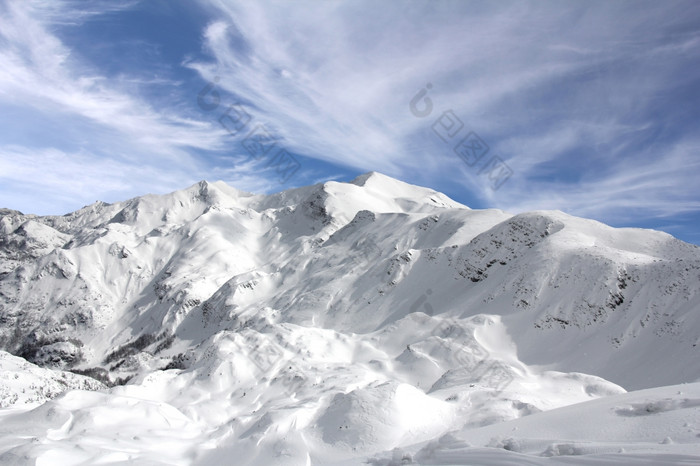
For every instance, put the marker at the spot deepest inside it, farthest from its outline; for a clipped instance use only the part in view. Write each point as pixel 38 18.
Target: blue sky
pixel 590 107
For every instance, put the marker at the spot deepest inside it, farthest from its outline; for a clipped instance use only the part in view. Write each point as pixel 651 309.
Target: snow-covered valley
pixel 343 323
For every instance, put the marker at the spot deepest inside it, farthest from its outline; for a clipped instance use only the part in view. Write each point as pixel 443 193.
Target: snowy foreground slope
pixel 343 323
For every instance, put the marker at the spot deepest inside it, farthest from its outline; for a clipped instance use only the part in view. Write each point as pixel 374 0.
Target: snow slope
pixel 23 384
pixel 653 426
pixel 331 323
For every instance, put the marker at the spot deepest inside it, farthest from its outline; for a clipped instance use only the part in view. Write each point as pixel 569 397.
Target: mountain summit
pixel 327 323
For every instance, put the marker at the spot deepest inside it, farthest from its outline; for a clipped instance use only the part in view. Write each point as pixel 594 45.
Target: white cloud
pixel 51 181
pixel 39 72
pixel 544 84
pixel 541 82
pixel 121 136
pixel 651 184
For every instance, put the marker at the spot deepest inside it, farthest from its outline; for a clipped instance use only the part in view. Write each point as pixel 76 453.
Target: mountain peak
pixel 214 191
pixel 410 197
pixel 361 180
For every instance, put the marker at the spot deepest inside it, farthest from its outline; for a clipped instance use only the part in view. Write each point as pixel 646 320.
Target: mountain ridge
pixel 316 304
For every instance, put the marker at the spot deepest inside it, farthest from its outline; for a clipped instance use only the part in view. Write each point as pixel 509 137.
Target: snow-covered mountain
pixel 331 323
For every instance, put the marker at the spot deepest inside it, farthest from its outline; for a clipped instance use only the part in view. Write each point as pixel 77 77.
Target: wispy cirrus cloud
pixel 54 103
pixel 569 94
pixel 40 72
pixel 592 104
pixel 62 177
pixel 627 189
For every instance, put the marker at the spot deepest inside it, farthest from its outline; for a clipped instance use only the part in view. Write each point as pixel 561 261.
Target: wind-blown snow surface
pixel 342 323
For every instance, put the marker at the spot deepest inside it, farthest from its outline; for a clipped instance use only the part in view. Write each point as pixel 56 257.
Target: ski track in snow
pixel 343 323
